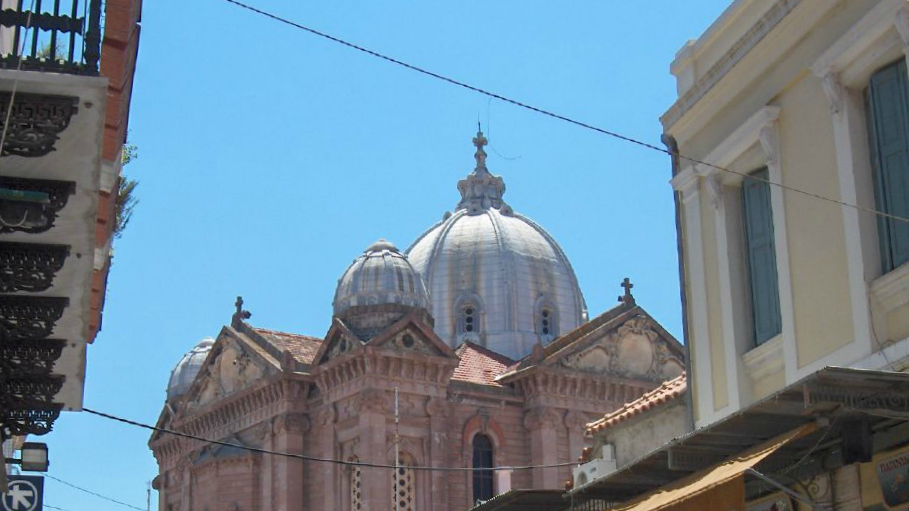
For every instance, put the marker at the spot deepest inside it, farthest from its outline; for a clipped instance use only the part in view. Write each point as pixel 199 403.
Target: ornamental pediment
pixel 230 368
pixel 636 349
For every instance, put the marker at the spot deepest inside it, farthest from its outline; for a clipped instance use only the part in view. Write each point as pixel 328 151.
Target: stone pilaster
pixel 439 411
pixel 372 410
pixel 288 473
pixel 542 424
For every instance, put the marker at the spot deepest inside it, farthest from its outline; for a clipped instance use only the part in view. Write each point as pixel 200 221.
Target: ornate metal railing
pixel 61 36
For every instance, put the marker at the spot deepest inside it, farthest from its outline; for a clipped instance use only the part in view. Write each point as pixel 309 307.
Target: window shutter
pixel 761 252
pixel 889 133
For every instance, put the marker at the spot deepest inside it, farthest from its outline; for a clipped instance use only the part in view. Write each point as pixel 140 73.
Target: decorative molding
pixel 740 140
pixel 30 267
pixel 31 205
pixel 327 415
pixel 715 189
pixel 35 356
pixel 770 143
pixel 36 121
pixel 541 417
pixel 29 317
pixel 575 420
pixel 371 400
pixel 37 419
pixel 901 22
pixel 765 359
pixel 891 290
pixel 736 53
pixel 833 88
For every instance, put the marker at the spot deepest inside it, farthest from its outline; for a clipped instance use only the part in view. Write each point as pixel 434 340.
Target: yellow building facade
pixel 785 126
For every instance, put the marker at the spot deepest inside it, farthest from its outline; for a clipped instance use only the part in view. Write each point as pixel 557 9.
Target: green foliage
pixel 126 200
pixel 45 52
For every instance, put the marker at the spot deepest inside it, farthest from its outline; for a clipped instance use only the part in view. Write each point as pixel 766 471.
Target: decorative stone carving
pixel 481 190
pixel 36 356
pixel 29 317
pixel 542 417
pixel 371 400
pixel 438 407
pixel 35 122
pixel 294 423
pixel 834 91
pixel 715 189
pixel 901 22
pixel 632 350
pixel 236 370
pixel 407 341
pixel 575 420
pixel 327 415
pixel 29 267
pixel 770 144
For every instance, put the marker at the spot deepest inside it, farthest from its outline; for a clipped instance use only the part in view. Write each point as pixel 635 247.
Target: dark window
pixel 760 248
pixel 888 130
pixel 482 458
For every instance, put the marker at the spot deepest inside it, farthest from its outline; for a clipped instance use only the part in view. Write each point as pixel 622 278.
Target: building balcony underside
pixel 51 245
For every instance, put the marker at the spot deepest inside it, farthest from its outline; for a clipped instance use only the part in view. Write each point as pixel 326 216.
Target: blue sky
pixel 269 159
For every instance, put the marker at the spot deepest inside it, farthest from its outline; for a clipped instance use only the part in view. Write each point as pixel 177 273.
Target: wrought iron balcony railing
pixel 61 36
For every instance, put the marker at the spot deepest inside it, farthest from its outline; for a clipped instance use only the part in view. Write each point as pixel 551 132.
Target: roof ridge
pixel 272 331
pixel 504 359
pixel 666 391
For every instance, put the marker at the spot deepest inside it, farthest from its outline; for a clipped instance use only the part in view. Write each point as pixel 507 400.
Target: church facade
pixel 472 349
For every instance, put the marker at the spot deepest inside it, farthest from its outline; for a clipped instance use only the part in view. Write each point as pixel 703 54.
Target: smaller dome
pixel 183 374
pixel 382 275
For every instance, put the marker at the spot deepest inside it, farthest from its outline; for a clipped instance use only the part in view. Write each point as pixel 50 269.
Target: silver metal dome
pixel 496 278
pixel 382 275
pixel 183 374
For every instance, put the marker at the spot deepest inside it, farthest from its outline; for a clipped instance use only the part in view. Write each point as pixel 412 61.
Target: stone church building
pixel 481 329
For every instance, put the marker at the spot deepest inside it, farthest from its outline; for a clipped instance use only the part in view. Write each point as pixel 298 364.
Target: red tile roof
pixel 302 347
pixel 666 392
pixel 479 365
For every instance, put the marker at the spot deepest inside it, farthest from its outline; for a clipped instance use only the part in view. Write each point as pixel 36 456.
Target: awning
pixel 726 478
pixel 525 500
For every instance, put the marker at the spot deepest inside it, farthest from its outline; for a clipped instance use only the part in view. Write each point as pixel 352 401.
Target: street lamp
pixel 34 457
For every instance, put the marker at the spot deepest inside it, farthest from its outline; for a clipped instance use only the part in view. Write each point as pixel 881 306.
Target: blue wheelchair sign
pixel 25 493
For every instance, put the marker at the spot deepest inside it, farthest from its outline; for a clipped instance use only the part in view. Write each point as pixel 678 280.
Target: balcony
pixel 60 36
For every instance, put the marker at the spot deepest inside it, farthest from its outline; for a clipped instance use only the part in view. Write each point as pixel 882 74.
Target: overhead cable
pixel 316 458
pixel 554 115
pixel 105 497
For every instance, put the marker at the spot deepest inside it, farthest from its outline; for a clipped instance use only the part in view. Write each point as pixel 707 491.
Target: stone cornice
pixel 232 415
pixel 369 361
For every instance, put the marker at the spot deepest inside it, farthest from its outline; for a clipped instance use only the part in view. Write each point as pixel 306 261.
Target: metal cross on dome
pixel 239 314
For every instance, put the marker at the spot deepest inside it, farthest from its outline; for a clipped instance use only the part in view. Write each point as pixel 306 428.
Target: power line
pixel 71 485
pixel 554 115
pixel 316 458
pixel 54 507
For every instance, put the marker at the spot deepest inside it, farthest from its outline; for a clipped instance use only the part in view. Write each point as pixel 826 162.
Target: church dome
pixel 496 277
pixel 183 374
pixel 382 275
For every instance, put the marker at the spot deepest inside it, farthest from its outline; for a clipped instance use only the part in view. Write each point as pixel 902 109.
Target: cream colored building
pixel 811 94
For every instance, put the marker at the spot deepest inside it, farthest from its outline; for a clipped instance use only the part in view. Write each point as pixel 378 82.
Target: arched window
pixel 468 321
pixel 482 458
pixel 403 489
pixel 356 484
pixel 547 321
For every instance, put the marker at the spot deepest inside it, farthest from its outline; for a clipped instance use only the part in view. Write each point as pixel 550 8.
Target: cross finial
pixel 239 314
pixel 627 297
pixel 479 141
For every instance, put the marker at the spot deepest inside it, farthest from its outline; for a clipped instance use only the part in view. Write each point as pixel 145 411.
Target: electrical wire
pixel 71 485
pixel 560 117
pixel 54 507
pixel 316 458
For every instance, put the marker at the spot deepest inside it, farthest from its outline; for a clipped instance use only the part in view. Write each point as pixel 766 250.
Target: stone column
pixel 439 411
pixel 541 423
pixel 372 409
pixel 287 474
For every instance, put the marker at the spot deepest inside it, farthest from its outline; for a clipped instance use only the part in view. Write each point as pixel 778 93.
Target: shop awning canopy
pixel 829 397
pixel 725 477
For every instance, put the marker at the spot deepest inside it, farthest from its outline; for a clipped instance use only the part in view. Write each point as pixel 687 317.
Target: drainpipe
pixel 673 147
